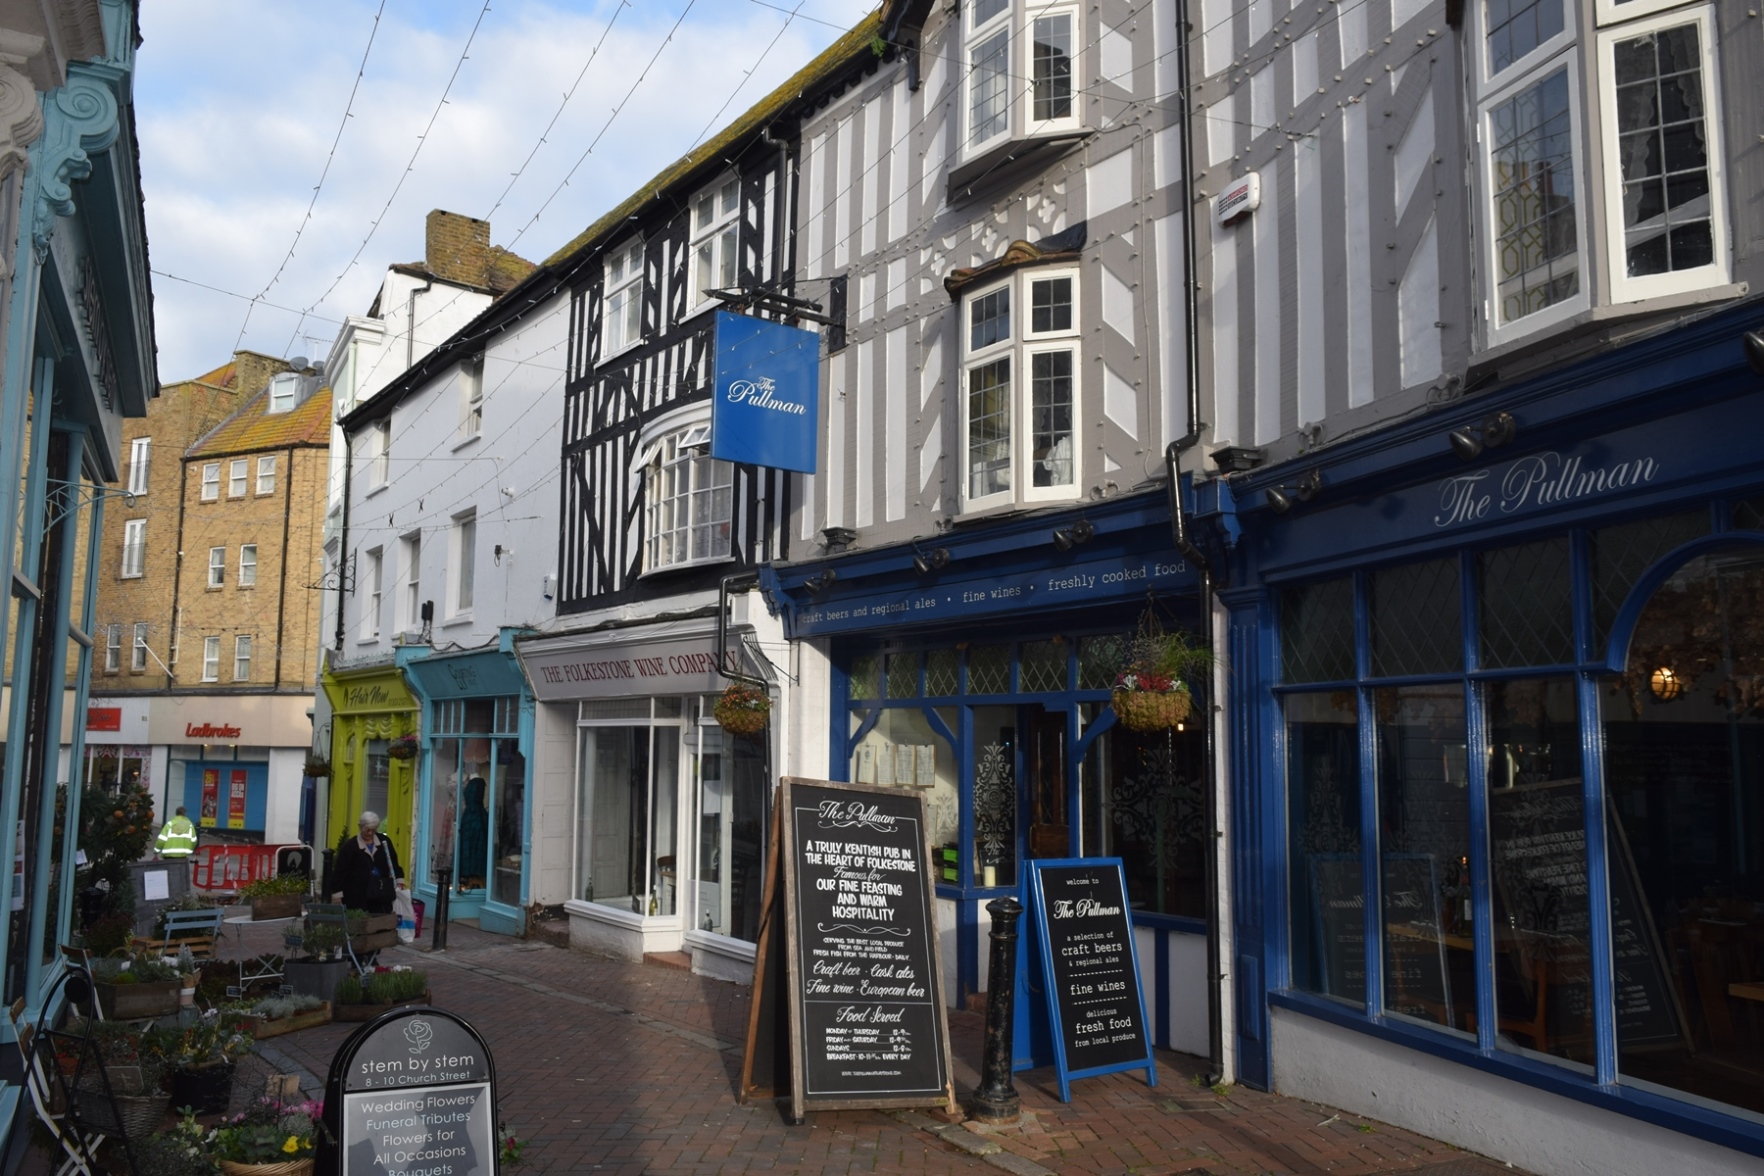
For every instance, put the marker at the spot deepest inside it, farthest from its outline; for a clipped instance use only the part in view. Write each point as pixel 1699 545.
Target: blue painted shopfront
pixel 982 676
pixel 474 814
pixel 226 796
pixel 1497 737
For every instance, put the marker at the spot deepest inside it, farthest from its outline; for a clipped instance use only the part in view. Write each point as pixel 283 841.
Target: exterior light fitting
pixel 1665 684
pixel 1753 342
pixel 819 584
pixel 935 560
pixel 1066 538
pixel 1281 498
pixel 1468 441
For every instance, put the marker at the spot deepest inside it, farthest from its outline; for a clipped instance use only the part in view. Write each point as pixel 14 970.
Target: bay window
pixel 1020 390
pixel 689 501
pixel 1022 78
pixel 621 313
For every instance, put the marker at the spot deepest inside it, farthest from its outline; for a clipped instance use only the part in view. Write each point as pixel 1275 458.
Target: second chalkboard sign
pixel 1090 970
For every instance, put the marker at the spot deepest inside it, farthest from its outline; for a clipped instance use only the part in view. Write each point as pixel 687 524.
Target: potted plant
pixel 371 932
pixel 200 1058
pixel 269 1139
pixel 189 975
pixel 276 1015
pixel 1151 691
pixel 316 766
pixel 743 709
pixel 364 998
pixel 133 987
pixel 403 748
pixel 320 966
pixel 122 1066
pixel 275 898
pixel 179 1150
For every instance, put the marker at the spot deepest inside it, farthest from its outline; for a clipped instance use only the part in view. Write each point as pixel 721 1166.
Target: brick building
pixel 207 618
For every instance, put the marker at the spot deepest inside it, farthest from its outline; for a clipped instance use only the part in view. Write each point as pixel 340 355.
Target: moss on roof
pixel 253 427
pixel 756 116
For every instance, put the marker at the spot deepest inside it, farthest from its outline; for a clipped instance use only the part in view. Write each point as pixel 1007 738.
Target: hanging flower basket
pixel 743 710
pixel 1150 692
pixel 1146 710
pixel 403 748
pixel 316 766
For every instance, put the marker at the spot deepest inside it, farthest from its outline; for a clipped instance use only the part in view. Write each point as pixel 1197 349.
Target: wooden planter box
pixel 367 1012
pixel 276 906
pixel 130 1002
pixel 308 1019
pixel 377 932
pixel 316 977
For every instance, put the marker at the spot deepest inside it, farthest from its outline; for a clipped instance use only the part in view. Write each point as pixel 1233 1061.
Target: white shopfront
pixel 670 811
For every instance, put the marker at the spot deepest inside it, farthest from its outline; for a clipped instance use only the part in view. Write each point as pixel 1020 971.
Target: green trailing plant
pixel 268 1133
pixel 271 887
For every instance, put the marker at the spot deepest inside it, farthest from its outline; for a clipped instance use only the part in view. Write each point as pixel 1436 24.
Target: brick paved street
pixel 614 1067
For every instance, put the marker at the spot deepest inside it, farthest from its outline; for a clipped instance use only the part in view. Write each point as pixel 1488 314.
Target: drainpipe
pixel 726 663
pixel 410 328
pixel 1190 310
pixel 343 538
pixel 287 483
pixel 175 644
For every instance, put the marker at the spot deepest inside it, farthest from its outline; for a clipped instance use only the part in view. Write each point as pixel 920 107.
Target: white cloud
pixel 237 106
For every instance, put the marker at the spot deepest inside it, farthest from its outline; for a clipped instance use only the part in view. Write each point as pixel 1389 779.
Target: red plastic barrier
pixel 226 868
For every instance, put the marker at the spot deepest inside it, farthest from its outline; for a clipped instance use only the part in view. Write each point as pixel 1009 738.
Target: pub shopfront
pixel 1499 692
pixel 670 813
pixel 371 707
pixel 981 674
pixel 473 791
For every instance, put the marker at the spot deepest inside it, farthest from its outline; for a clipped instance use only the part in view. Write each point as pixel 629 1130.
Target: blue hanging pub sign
pixel 766 407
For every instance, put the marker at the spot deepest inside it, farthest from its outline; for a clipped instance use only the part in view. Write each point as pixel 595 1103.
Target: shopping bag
pixel 406 912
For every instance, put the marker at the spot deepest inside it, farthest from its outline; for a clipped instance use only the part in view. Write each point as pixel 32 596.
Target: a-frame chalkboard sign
pixel 1089 970
pixel 849 936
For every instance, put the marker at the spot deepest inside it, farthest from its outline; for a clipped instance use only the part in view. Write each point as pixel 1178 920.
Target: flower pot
pixel 316 977
pixel 367 1012
pixel 137 1115
pixel 276 906
pixel 308 1019
pixel 208 1088
pixel 187 997
pixel 285 1168
pixel 133 1002
pixel 1148 711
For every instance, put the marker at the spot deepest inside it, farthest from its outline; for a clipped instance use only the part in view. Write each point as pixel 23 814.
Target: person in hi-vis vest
pixel 177 838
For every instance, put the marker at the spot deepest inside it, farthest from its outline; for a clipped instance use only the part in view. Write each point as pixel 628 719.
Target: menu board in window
pixel 867 1020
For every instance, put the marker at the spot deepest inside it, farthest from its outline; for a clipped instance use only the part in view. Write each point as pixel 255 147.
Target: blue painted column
pixel 70 836
pixel 1249 831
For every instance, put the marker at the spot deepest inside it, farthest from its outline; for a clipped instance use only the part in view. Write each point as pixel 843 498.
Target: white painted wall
pixel 1520 1125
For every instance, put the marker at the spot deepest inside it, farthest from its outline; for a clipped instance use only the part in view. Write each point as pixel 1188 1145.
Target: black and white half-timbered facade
pixel 658 544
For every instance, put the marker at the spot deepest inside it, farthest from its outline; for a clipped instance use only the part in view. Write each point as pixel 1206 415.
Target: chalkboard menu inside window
pixel 1090 970
pixel 867 1018
pixel 1339 927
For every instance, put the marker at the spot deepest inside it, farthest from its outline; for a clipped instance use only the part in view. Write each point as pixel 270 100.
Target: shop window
pixel 902 675
pixel 995 796
pixel 1749 515
pixel 509 799
pixel 866 675
pixel 1622 553
pixel 689 502
pixel 1424 817
pixel 904 749
pixel 732 790
pixel 629 781
pixel 1042 668
pixel 943 672
pixel 376 789
pixel 1317 632
pixel 1325 871
pixel 1100 659
pixel 1684 757
pixel 1538 865
pixel 1416 619
pixel 1144 801
pixel 1526 605
pixel 989 669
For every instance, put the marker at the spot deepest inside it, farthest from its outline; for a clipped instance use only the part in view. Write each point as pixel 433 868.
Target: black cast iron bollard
pixel 443 889
pixel 996 1101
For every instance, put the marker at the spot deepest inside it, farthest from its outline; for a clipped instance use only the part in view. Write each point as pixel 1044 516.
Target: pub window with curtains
pixel 1017 752
pixel 1467 835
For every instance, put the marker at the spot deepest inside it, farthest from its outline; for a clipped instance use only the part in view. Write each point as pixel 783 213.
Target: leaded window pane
pixel 989 319
pixel 943 672
pixel 1536 240
pixel 990 98
pixel 1099 660
pixel 989 428
pixel 1050 415
pixel 1663 150
pixel 989 669
pixel 1749 515
pixel 1416 624
pixel 1050 305
pixel 1516 27
pixel 1527 606
pixel 1052 67
pixel 1317 631
pixel 1327 874
pixel 1621 554
pixel 903 675
pixel 1043 667
pixel 866 669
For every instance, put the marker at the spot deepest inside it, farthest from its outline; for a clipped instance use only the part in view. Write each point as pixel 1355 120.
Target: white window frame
pixel 217 567
pixel 373 567
pixel 138 649
pixel 1607 12
pixel 284 389
pixel 211 481
pixel 629 262
pixel 719 237
pixel 973 41
pixel 112 648
pixel 211 659
pixel 471 398
pixel 410 556
pixel 1623 287
pixel 1026 81
pixel 1498 333
pixel 683 451
pixel 134 549
pixel 266 474
pixel 140 462
pixel 462 543
pixel 247 565
pixel 380 454
pixel 242 658
pixel 238 477
pixel 1487 80
pixel 1021 344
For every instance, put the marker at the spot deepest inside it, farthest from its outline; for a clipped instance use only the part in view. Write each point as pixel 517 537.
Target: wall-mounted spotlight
pixel 1281 498
pixel 1753 342
pixel 1495 431
pixel 1066 538
pixel 819 584
pixel 935 560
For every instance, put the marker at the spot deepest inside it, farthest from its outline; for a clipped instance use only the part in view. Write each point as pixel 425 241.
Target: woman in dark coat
pixel 367 869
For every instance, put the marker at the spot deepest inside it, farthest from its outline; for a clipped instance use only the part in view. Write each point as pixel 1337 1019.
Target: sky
pixel 271 216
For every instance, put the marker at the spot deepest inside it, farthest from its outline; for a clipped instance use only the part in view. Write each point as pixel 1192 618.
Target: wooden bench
pixel 196 930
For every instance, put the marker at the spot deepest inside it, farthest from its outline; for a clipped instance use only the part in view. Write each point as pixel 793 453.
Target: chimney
pixel 457 248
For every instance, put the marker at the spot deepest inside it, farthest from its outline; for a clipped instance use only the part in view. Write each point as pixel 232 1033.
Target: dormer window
pixel 1006 42
pixel 1020 390
pixel 622 306
pixel 284 392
